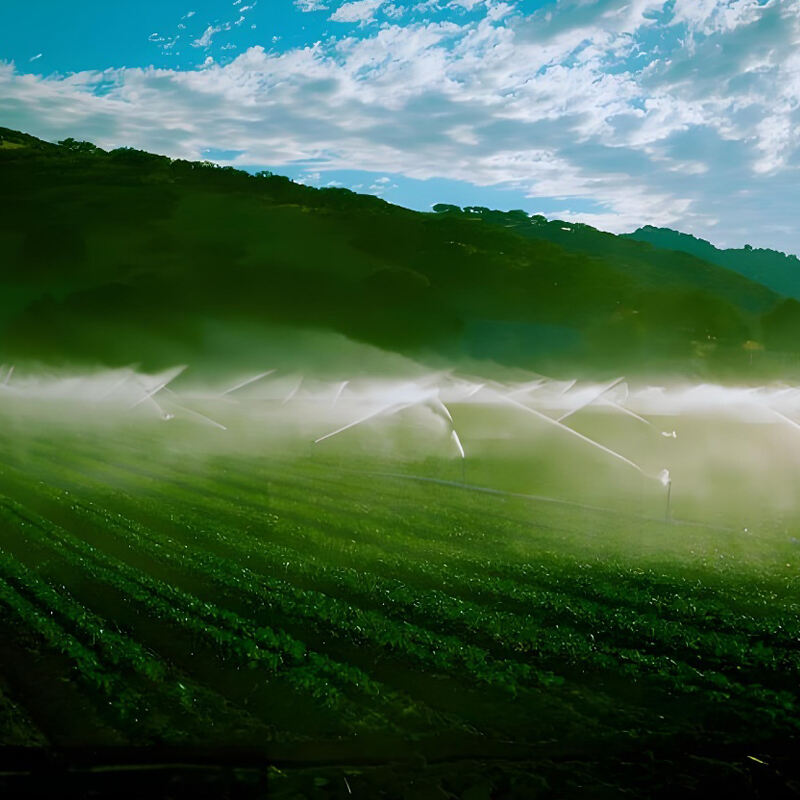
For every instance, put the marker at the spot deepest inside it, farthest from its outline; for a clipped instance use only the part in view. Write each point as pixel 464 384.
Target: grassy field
pixel 303 627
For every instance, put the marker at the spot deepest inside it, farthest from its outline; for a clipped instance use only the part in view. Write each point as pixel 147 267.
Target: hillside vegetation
pixel 779 271
pixel 127 256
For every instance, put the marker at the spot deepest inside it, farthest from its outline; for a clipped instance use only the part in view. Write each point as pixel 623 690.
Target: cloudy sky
pixel 618 113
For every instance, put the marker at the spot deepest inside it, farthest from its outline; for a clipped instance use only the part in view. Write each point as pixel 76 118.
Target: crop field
pixel 372 630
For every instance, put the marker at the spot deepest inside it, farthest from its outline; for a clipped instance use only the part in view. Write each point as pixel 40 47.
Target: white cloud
pixel 555 105
pixel 356 11
pixel 310 5
pixel 207 37
pixel 467 5
pixel 710 16
pixel 393 11
pixel 382 185
pixel 35 58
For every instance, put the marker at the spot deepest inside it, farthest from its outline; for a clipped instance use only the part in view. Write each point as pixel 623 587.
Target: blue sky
pixel 613 112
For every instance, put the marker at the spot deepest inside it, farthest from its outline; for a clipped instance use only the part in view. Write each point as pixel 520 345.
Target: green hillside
pixel 779 271
pixel 126 257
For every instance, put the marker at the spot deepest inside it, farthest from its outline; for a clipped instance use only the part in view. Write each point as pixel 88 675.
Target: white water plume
pixel 727 447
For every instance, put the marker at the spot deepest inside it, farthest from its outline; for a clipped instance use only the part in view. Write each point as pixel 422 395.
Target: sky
pixel 617 113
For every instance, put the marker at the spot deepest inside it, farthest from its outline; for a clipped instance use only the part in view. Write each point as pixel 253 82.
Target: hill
pixel 126 256
pixel 779 271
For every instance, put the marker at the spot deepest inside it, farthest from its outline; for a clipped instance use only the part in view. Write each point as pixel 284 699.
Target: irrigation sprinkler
pixel 165 415
pixel 596 397
pixel 666 480
pixel 663 477
pixel 295 389
pixel 192 412
pixel 200 416
pixel 569 385
pixel 783 417
pixel 566 429
pixel 445 411
pixel 392 408
pixel 150 394
pixel 339 391
pixel 116 385
pixel 529 387
pixel 623 409
pixel 462 454
pixel 247 382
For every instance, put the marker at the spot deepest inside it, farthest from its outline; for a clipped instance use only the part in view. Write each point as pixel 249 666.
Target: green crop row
pixel 559 644
pixel 438 652
pixel 105 659
pixel 622 588
pixel 451 614
pixel 328 681
pixel 645 630
pixel 635 589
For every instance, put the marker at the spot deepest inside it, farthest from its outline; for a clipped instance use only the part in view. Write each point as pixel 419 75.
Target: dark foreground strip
pixel 339 769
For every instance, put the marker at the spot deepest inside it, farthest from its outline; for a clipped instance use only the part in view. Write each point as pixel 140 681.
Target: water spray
pixel 247 382
pixel 339 391
pixel 150 394
pixel 460 447
pixel 666 480
pixel 594 398
pixel 445 411
pixel 118 384
pixel 392 408
pixel 295 389
pixel 573 432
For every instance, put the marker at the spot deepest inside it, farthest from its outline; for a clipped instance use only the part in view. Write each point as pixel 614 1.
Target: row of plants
pixel 333 684
pixel 552 644
pixel 136 685
pixel 638 631
pixel 628 629
pixel 409 642
pixel 670 595
pixel 447 612
pixel 739 643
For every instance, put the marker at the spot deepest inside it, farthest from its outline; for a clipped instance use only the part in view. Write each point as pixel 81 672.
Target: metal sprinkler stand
pixel 668 512
pixel 666 481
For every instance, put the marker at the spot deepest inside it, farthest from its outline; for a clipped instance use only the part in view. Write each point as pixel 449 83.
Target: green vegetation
pixel 282 603
pixel 128 257
pixel 779 271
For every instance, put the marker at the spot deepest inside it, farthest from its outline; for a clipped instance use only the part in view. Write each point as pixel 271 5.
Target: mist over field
pixel 730 454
